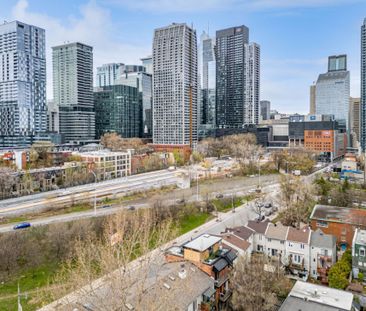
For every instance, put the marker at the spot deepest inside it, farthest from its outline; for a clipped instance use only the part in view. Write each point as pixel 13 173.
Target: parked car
pixel 106 206
pixel 268 213
pixel 179 201
pixel 131 208
pixel 260 218
pixel 219 196
pixel 268 205
pixel 22 225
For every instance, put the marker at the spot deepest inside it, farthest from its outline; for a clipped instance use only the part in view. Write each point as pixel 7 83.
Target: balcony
pixel 225 296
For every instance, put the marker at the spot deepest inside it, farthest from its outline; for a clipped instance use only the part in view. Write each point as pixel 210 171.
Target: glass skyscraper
pixel 108 73
pixel 117 109
pixel 143 82
pixel 23 107
pixel 237 78
pixel 73 90
pixel 332 91
pixel 363 86
pixel 207 77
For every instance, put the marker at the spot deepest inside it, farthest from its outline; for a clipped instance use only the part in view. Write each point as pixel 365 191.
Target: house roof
pixel 339 214
pixel 235 241
pixel 295 303
pixel 276 231
pixel 320 239
pixel 312 297
pixel 299 235
pixel 241 231
pixel 202 242
pixel 258 226
pixel 158 288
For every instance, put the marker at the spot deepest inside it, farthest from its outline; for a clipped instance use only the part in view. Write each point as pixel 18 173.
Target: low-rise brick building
pixel 338 221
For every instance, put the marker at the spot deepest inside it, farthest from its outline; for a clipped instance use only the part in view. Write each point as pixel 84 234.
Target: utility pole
pixel 95 193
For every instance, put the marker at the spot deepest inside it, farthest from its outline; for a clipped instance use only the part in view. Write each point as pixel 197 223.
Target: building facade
pixel 108 165
pixel 338 221
pixel 108 73
pixel 265 110
pixel 359 253
pixel 53 117
pixel 143 82
pixel 230 76
pixel 175 86
pixel 332 90
pixel 23 108
pixel 147 62
pixel 355 120
pixel 73 90
pixel 207 77
pixel 312 109
pixel 363 86
pixel 252 83
pixel 117 109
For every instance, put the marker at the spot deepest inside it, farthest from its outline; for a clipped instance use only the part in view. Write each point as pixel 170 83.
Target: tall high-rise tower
pixel 332 91
pixel 73 90
pixel 23 107
pixel 175 85
pixel 207 76
pixel 230 76
pixel 251 83
pixel 363 86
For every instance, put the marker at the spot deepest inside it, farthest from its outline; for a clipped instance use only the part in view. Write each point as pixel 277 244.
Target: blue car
pixel 22 225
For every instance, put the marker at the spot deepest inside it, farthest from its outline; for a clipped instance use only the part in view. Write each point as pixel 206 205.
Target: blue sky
pixel 296 36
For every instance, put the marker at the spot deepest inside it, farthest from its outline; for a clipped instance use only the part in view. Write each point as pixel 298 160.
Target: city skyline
pixel 292 56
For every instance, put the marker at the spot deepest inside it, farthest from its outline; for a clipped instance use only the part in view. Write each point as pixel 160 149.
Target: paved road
pixel 242 215
pixel 167 198
pixel 32 203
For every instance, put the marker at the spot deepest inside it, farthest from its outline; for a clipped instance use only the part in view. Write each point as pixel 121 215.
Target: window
pixel 362 252
pixel 302 246
pixel 321 223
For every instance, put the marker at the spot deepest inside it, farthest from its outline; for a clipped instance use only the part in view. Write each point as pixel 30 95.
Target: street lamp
pixel 95 193
pixel 197 183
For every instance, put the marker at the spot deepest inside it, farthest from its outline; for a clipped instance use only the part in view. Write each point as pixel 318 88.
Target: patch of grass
pixel 226 204
pixel 192 221
pixel 29 282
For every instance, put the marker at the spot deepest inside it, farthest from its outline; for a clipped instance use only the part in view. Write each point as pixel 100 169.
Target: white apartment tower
pixel 175 85
pixel 251 83
pixel 73 90
pixel 23 108
pixel 108 73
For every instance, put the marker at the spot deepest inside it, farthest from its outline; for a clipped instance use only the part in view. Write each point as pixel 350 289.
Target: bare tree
pixel 8 179
pixel 257 284
pixel 112 258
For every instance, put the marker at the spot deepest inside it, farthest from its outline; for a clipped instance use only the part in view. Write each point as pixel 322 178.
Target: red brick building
pixel 338 221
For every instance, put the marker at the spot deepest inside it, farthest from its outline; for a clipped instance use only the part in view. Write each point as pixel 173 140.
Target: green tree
pixel 339 272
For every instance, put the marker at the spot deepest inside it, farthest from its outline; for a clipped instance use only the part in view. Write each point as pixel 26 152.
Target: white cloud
pixel 163 6
pixel 94 27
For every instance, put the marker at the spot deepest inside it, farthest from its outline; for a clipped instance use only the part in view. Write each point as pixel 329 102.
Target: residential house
pixel 312 297
pixel 240 246
pixel 338 221
pixel 259 230
pixel 359 253
pixel 275 236
pixel 298 251
pixel 208 254
pixel 323 254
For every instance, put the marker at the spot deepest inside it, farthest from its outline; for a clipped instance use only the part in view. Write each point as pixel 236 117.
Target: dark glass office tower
pixel 230 76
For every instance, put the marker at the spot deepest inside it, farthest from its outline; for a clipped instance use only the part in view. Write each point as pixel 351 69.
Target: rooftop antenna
pixel 208 28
